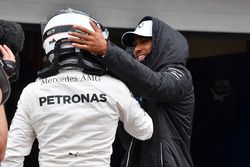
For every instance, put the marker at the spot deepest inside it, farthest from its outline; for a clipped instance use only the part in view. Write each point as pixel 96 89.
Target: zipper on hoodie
pixel 161 156
pixel 129 150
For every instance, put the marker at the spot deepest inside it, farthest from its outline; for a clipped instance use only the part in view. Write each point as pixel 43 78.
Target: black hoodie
pixel 166 87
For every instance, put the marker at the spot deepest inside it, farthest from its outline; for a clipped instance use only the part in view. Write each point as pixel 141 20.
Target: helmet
pixel 56 29
pixel 59 51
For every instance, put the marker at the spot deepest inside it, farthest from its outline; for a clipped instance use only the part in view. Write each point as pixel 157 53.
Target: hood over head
pixel 169 45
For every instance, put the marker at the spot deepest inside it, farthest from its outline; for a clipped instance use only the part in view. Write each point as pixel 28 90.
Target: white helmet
pixel 57 27
pixel 60 52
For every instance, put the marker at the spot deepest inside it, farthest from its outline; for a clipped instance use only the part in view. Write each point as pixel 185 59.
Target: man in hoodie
pixel 157 74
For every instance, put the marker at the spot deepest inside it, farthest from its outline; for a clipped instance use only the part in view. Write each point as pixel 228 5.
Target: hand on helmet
pixel 92 41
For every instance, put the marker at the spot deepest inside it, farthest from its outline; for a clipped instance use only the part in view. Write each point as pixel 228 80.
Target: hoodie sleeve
pixel 169 84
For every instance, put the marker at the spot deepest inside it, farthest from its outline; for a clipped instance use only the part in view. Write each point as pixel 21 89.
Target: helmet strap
pixel 85 61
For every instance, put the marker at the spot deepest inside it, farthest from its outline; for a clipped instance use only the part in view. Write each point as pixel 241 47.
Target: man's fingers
pixel 9 56
pixel 80 38
pixel 88 40
pixel 7 53
pixel 75 40
pixel 80 46
pixel 82 29
pixel 76 34
pixel 94 26
pixel 3 51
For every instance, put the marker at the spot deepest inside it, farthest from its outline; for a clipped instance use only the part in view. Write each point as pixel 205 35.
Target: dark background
pixel 222 112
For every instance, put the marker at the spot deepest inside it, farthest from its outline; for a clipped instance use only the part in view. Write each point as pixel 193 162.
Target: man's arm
pixel 168 84
pixel 21 134
pixel 135 120
pixel 3 131
pixel 7 68
pixel 4 95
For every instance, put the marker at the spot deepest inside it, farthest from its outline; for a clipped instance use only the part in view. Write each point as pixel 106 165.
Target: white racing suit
pixel 74 117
